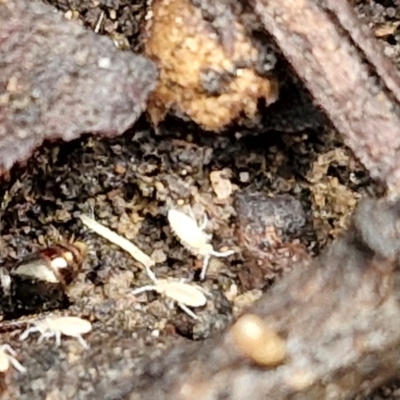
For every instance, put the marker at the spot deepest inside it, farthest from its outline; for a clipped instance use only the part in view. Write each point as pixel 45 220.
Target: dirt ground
pixel 129 183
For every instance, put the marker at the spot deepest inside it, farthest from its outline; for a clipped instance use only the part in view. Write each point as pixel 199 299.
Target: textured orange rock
pixel 211 81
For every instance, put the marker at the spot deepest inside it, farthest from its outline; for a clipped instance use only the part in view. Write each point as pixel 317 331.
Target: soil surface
pixel 129 183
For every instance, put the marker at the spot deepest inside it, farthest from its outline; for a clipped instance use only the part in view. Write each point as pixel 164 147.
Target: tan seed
pixel 256 341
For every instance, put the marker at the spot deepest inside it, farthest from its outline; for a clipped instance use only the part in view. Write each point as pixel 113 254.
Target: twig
pixel 346 73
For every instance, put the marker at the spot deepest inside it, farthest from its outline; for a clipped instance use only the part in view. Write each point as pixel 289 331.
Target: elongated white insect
pixel 120 241
pixel 181 292
pixel 194 238
pixel 184 294
pixel 7 358
pixel 57 326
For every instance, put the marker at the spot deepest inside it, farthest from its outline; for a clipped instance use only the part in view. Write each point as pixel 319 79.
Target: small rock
pixel 59 80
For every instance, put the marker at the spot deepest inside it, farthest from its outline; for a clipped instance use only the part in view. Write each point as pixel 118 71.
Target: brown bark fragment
pixel 347 75
pixel 59 81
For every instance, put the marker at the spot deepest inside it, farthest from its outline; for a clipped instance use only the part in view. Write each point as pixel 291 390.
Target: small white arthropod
pixel 7 358
pixel 194 238
pixel 118 240
pixel 184 294
pixel 57 326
